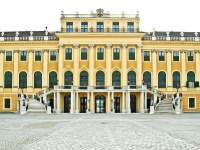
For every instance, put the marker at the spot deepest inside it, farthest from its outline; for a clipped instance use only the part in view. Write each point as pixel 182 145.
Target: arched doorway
pixel 133 103
pixel 83 104
pixel 100 104
pixel 100 80
pixel 67 103
pixel 116 80
pixel 83 80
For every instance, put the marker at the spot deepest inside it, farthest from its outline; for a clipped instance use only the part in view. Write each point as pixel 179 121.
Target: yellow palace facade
pixel 99 63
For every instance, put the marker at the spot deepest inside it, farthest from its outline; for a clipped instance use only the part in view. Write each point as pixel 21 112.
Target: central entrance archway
pixel 67 103
pixel 133 103
pixel 100 104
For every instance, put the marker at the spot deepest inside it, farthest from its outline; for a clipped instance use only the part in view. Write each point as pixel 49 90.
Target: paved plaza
pixel 100 132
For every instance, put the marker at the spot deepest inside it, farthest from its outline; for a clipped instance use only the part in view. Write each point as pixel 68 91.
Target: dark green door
pixel 100 104
pixel 133 103
pixel 83 104
pixel 117 104
pixel 67 103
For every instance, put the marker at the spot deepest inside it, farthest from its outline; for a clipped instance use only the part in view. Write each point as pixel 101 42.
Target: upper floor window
pixel 161 55
pixel 37 55
pixel 130 26
pixel 23 55
pixel 100 53
pixel 68 54
pixel 146 56
pixel 53 55
pixel 84 27
pixel 9 56
pixel 115 26
pixel 131 54
pixel 190 56
pixel 175 56
pixel 83 53
pixel 69 27
pixel 116 54
pixel 100 27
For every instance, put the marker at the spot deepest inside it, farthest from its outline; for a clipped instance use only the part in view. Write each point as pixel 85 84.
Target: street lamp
pixel 177 87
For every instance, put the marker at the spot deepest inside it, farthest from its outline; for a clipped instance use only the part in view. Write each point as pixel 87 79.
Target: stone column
pixel 139 65
pixel 141 102
pixel 77 110
pixel 54 102
pixel 60 64
pixel 30 71
pixel 113 100
pixel 88 97
pixel 108 102
pixel 91 65
pixel 123 101
pixel 58 103
pixel 1 70
pixel 124 65
pixel 169 70
pixel 45 69
pixel 128 103
pixel 92 103
pixel 76 65
pixel 145 102
pixel 197 76
pixel 16 71
pixel 72 103
pixel 108 64
pixel 154 68
pixel 183 69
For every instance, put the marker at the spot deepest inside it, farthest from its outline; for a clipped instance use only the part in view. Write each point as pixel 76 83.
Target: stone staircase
pixel 35 107
pixel 165 107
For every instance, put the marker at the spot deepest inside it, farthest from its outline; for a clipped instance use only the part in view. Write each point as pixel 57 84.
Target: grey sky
pixel 163 15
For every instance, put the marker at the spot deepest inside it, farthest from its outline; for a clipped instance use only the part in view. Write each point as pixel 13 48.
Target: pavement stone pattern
pixel 100 131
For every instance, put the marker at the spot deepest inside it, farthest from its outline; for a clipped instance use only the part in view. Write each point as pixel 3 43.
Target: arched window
pixel 52 79
pixel 147 79
pixel 83 78
pixel 8 80
pixel 176 79
pixel 68 78
pixel 116 78
pixel 100 78
pixel 191 76
pixel 161 79
pixel 131 78
pixel 37 79
pixel 23 80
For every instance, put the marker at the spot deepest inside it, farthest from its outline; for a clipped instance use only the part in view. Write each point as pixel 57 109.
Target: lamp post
pixel 177 87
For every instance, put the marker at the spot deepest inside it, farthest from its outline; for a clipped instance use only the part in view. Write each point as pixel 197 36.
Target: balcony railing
pixel 95 16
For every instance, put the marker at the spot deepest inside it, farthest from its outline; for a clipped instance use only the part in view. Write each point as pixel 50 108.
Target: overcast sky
pixel 163 15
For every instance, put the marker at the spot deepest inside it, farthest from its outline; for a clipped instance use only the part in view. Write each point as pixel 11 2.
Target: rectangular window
pixel 175 56
pixel 191 103
pixel 84 27
pixel 9 56
pixel 161 55
pixel 146 56
pixel 190 56
pixel 130 26
pixel 52 55
pixel 69 27
pixel 6 103
pixel 68 54
pixel 37 55
pixel 115 26
pixel 83 53
pixel 131 54
pixel 116 54
pixel 100 53
pixel 23 55
pixel 100 27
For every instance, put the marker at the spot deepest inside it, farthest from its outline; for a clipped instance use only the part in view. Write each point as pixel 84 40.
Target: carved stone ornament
pixel 91 46
pixel 108 46
pixel 183 51
pixel 196 34
pixel 60 45
pixel 168 51
pixel 16 51
pixel 108 29
pixel 182 34
pixel 123 29
pixel 2 33
pixel 76 46
pixel 124 46
pixel 31 33
pixel 76 29
pixel 197 51
pixel 139 45
pixel 100 12
pixel 167 33
pixel 154 50
pixel 30 51
pixel 2 51
pixel 46 32
pixel 45 50
pixel 91 29
pixel 17 33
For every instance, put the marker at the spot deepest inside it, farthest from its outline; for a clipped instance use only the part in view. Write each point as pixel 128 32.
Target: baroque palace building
pixel 99 63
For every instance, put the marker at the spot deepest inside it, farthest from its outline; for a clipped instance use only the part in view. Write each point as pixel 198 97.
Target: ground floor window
pixel 7 103
pixel 191 102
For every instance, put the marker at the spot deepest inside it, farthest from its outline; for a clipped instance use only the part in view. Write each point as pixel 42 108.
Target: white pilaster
pixel 45 68
pixel 76 65
pixel 16 73
pixel 72 103
pixel 54 102
pixel 30 71
pixel 113 100
pixel 124 65
pixel 154 68
pixel 58 103
pixel 128 103
pixel 145 102
pixel 169 70
pixel 197 52
pixel 141 102
pixel 92 103
pixel 1 70
pixel 60 64
pixel 108 64
pixel 77 110
pixel 139 65
pixel 123 101
pixel 91 64
pixel 108 102
pixel 183 69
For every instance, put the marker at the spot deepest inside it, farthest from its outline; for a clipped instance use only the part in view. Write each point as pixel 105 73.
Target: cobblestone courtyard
pixel 100 131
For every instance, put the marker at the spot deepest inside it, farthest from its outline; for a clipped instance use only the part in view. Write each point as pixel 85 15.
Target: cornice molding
pixel 45 50
pixel 30 50
pixel 139 46
pixel 27 42
pixel 91 46
pixel 183 51
pixel 60 45
pixel 124 46
pixel 154 50
pixel 76 46
pixel 197 51
pixel 108 46
pixel 2 51
pixel 171 42
pixel 16 51
pixel 168 51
